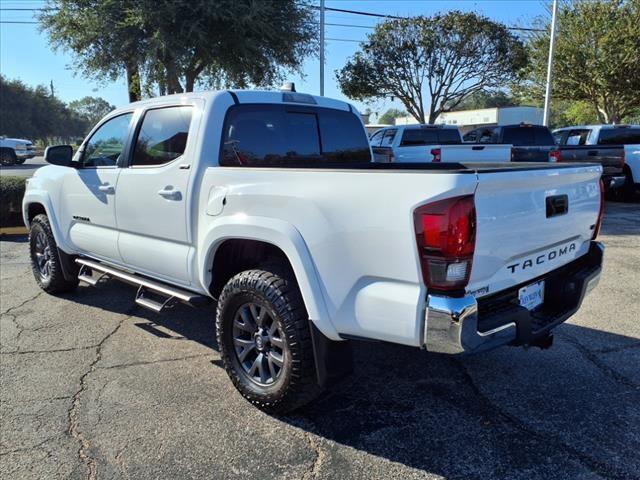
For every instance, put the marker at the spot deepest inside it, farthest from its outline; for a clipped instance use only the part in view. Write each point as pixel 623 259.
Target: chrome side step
pixel 145 286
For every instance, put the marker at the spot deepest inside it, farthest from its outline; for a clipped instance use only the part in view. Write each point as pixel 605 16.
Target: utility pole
pixel 322 48
pixel 552 41
pixel 51 85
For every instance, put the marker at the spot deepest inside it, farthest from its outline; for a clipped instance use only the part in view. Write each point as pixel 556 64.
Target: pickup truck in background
pixel 431 143
pixel 530 143
pixel 15 151
pixel 268 204
pixel 616 147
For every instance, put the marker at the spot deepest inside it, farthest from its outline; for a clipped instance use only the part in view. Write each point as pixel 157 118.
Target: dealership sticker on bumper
pixel 532 295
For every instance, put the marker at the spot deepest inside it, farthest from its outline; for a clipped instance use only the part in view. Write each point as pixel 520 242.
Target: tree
pixel 34 114
pixel 177 43
pixel 104 35
pixel 486 99
pixel 389 117
pixel 596 57
pixel 444 58
pixel 91 108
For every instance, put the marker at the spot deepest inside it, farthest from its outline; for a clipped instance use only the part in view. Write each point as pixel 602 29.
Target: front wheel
pixel 265 341
pixel 45 261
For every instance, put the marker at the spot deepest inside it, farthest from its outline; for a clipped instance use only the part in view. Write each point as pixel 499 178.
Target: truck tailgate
pixel 469 153
pixel 519 236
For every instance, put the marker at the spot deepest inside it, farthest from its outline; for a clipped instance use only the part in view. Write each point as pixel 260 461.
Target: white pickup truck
pixel 268 204
pixel 432 143
pixel 15 151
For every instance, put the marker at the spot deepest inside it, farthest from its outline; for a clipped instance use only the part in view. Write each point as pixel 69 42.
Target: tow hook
pixel 543 343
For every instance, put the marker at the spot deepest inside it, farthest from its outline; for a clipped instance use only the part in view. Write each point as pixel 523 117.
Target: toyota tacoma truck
pixel 431 143
pixel 268 205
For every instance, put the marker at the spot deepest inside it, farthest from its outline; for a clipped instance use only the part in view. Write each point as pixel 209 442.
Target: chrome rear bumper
pixel 459 325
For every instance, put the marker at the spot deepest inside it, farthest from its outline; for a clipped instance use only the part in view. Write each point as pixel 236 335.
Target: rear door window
pixel 619 136
pixel 388 137
pixel 281 135
pixel 577 137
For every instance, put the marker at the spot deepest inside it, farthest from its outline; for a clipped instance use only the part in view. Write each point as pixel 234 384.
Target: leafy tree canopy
pixel 32 113
pixel 486 99
pixel 388 117
pixel 443 58
pixel 176 43
pixel 596 58
pixel 91 108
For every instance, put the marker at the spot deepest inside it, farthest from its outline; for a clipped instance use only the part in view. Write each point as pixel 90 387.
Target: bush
pixel 11 193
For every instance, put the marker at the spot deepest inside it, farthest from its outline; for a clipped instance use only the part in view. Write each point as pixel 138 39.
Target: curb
pixel 13 231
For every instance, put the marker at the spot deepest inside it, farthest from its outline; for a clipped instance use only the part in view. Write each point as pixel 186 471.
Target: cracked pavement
pixel 93 387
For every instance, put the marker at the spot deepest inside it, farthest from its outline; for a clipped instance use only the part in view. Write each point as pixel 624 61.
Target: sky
pixel 25 53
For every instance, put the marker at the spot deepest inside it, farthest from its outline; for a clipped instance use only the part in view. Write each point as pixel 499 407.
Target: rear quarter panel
pixel 358 231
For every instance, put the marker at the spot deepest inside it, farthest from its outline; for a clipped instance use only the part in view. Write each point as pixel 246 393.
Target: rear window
pixel 281 135
pixel 430 136
pixel 528 136
pixel 619 136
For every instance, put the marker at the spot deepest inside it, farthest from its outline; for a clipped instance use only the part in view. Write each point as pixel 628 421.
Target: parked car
pixel 530 143
pixel 431 143
pixel 15 151
pixel 268 204
pixel 616 147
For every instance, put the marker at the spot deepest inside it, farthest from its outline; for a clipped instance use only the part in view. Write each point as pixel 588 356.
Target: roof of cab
pixel 246 96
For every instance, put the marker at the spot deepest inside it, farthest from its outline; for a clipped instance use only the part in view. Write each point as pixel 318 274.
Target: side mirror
pixel 59 155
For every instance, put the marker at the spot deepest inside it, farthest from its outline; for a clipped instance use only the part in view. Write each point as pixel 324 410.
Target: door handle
pixel 106 188
pixel 169 193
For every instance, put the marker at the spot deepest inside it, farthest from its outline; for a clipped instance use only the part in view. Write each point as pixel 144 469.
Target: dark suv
pixel 531 143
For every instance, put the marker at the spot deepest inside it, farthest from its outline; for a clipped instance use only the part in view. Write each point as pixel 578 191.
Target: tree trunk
pixel 133 82
pixel 173 82
pixel 189 82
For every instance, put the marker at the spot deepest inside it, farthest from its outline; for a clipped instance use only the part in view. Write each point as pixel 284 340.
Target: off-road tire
pixel 296 384
pixel 55 281
pixel 20 161
pixel 7 158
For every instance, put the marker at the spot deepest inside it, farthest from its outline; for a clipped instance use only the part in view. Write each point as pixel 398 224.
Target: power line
pixel 18 22
pixel 348 25
pixel 344 40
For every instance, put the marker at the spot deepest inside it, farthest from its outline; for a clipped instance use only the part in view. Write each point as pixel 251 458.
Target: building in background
pixel 467 120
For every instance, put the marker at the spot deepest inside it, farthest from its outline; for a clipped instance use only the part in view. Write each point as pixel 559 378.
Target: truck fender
pixel 42 197
pixel 282 235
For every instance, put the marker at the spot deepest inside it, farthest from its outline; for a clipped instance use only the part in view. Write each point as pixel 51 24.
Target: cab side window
pixel 105 146
pixel 162 137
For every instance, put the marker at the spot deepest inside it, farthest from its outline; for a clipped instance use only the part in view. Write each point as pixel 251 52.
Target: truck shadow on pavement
pixel 570 411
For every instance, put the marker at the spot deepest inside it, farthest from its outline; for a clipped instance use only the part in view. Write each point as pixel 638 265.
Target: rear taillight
pixel 437 155
pixel 513 154
pixel 596 229
pixel 622 160
pixel 446 238
pixel 554 156
pixel 390 157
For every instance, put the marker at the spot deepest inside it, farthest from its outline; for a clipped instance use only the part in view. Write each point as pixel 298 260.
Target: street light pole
pixel 322 48
pixel 552 41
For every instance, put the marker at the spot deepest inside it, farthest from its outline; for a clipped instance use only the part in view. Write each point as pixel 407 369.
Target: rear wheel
pixel 45 261
pixel 7 158
pixel 265 342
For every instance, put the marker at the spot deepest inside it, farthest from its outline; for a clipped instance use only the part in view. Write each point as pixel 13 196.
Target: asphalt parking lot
pixel 25 170
pixel 91 386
